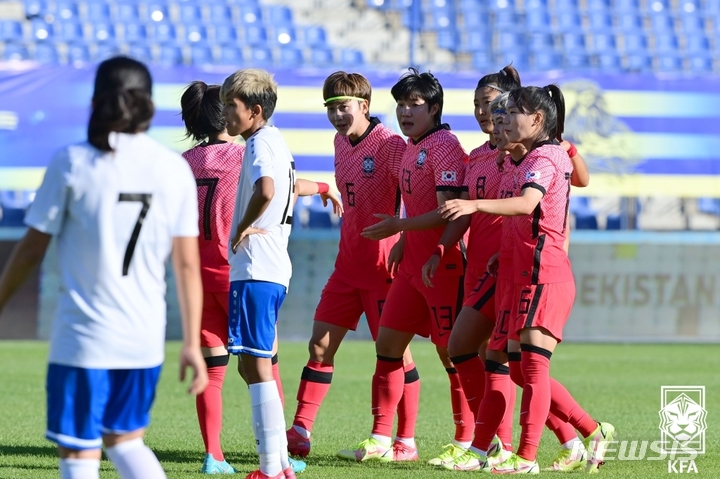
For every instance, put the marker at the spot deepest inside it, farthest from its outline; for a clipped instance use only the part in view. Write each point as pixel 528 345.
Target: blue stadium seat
pixel 226 34
pixel 692 24
pixel 351 57
pixel 196 34
pixel 635 43
pixel 40 30
pixel 537 21
pixel 688 6
pixel 35 8
pixel 668 64
pixel 541 42
pixel 103 52
pixel 189 13
pixel 475 40
pixel 201 55
pixel 135 33
pixel 278 15
pixel 255 35
pixel 442 19
pixel 481 61
pixel 261 57
pixel 291 57
pixel 250 14
pixel 710 206
pixel 321 57
pixel 140 52
pixel 585 216
pixel 536 5
pixel 68 31
pixel 666 43
pixel 103 32
pixel 711 8
pixel 657 6
pixel 608 62
pixel 573 42
pixel 406 18
pixel 600 22
pixel 613 222
pixel 10 31
pixel 603 43
pixel 626 6
pixel 544 61
pixel 506 20
pixel 638 62
pixel 164 32
pixel 700 64
pixel 629 23
pixel 12 217
pixel 157 12
pixel 518 60
pixel 474 20
pixel 319 219
pixel 284 35
pixel 97 12
pixel 565 5
pixel 45 53
pixel 170 55
pixel 577 61
pixel 78 53
pixel 500 5
pixel 662 24
pixel 231 56
pixel 127 12
pixel 315 36
pixel 448 38
pixel 220 14
pixel 697 44
pixel 15 51
pixel 65 10
pixel 601 5
pixel 510 41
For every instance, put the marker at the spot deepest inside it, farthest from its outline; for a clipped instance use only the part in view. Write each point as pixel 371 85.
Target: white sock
pixel 134 460
pixel 574 443
pixel 79 469
pixel 408 441
pixel 269 421
pixel 462 444
pixel 302 431
pixel 384 440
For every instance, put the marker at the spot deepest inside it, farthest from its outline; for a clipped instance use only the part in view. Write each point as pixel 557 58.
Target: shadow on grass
pixel 195 456
pixel 16 450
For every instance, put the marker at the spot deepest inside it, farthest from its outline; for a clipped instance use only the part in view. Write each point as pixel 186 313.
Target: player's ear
pixel 257 110
pixel 434 109
pixel 365 107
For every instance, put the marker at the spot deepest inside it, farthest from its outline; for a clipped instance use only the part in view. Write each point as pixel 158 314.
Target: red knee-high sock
pixel 565 407
pixel 471 371
pixel 535 405
pixel 314 385
pixel 562 429
pixel 387 390
pixel 209 406
pixel 409 403
pixel 276 377
pixel 462 415
pixel 494 404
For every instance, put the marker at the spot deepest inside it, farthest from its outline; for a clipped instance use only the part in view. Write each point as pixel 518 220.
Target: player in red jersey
pixel 477 316
pixel 544 285
pixel 432 171
pixel 367 160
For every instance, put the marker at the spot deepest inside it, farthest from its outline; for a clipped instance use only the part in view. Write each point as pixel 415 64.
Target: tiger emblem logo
pixel 683 421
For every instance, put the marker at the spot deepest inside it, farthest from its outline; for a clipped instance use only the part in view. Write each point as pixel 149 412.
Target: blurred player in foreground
pixel 119 205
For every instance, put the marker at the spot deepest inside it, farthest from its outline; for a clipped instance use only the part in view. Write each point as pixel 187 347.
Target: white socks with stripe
pixel 134 460
pixel 269 427
pixel 79 469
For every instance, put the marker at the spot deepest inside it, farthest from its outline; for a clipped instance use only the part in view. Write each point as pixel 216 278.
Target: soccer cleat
pixel 568 460
pixel 497 454
pixel 297 444
pixel 517 465
pixel 211 466
pixel 297 466
pixel 448 455
pixel 403 452
pixel 261 475
pixel 469 461
pixel 596 445
pixel 368 450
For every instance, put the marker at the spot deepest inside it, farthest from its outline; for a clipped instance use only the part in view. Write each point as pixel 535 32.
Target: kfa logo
pixel 422 156
pixel 368 166
pixel 682 425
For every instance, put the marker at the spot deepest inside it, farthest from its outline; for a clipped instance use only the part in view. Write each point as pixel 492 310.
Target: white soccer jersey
pixel 264 257
pixel 114 215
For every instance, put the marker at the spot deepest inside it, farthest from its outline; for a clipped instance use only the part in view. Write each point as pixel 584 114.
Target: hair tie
pixel 503 72
pixel 495 88
pixel 548 90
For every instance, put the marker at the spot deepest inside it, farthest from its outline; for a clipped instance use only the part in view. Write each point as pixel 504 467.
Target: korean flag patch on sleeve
pixel 448 176
pixel 532 176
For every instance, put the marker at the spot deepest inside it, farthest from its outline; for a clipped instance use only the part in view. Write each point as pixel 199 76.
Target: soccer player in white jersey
pixel 119 205
pixel 260 266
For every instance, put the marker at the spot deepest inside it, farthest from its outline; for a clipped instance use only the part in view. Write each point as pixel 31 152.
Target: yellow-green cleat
pixel 469 461
pixel 368 450
pixel 596 445
pixel 449 453
pixel 517 465
pixel 569 460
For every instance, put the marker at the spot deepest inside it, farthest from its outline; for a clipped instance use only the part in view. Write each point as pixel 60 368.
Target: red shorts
pixel 214 326
pixel 342 305
pixel 414 308
pixel 481 296
pixel 504 290
pixel 545 306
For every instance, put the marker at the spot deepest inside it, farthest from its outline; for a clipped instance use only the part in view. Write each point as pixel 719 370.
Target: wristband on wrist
pixel 572 151
pixel 322 188
pixel 439 251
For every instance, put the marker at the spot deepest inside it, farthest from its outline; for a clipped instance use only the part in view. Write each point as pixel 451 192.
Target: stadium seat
pixel 12 217
pixel 189 13
pixel 629 23
pixel 541 42
pixel 97 12
pixel 321 57
pixel 65 10
pixel 565 5
pixel 577 61
pixel 474 20
pixel 475 40
pixel 157 12
pixel 573 42
pixel 626 6
pixel 608 62
pixel 711 8
pixel 351 58
pixel 201 55
pixel 665 43
pixel 501 5
pixel 10 31
pixel 537 21
pixel 34 8
pixel 509 41
pixel 315 36
pixel 195 34
pixel 662 24
pixel 692 24
pixel 536 5
pixel 506 20
pixel 250 14
pixel 16 52
pixel 103 32
pixel 448 39
pixel 518 60
pixel 255 35
pixel 260 57
pixel 140 52
pixel 696 44
pixel 700 64
pixel 278 15
pixel 545 61
pixel 634 43
pixel 78 53
pixel 135 33
pixel 585 216
pixel 688 6
pixel 68 31
pixel 284 35
pixel 291 57
pixel 668 64
pixel 481 61
pixel 441 19
pixel 220 14
pixel 164 32
pixel 319 219
pixel 638 62
pixel 127 12
pixel 656 6
pixel 600 22
pixel 45 53
pixel 598 5
pixel 170 55
pixel 710 206
pixel 103 52
pixel 226 35
pixel 602 43
pixel 40 30
pixel 231 56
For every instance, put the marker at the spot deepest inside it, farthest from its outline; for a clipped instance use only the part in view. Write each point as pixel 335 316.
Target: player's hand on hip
pixel 192 357
pixel 453 209
pixel 428 270
pixel 384 229
pixel 237 239
pixel 395 257
pixel 493 264
pixel 337 204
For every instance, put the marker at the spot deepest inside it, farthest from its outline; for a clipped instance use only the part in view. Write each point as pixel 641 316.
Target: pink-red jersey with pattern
pixel 435 163
pixel 507 237
pixel 217 170
pixel 366 174
pixel 482 180
pixel 539 256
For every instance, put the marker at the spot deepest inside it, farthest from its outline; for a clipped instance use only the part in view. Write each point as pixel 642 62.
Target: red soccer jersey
pixel 217 169
pixel 539 256
pixel 507 237
pixel 366 174
pixel 435 163
pixel 482 180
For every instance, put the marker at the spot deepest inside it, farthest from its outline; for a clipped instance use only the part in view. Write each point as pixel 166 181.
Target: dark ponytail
pixel 549 100
pixel 122 100
pixel 202 111
pixel 507 79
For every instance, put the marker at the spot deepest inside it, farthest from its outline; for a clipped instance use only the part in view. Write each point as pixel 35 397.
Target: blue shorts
pixel 83 404
pixel 254 307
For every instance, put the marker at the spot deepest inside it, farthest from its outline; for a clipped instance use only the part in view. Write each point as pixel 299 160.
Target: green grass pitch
pixel 615 383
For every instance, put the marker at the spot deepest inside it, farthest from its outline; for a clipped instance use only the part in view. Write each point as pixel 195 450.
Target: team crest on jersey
pixel 422 156
pixel 368 165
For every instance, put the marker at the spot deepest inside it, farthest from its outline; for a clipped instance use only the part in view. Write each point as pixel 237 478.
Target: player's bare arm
pixel 517 206
pixel 396 255
pixel 580 176
pixel 25 258
pixel 310 188
pixel 186 265
pixel 259 201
